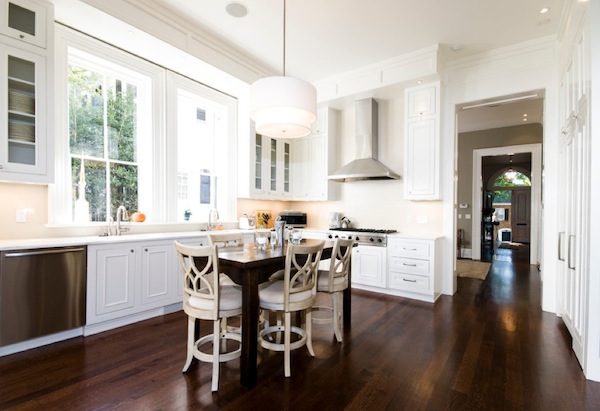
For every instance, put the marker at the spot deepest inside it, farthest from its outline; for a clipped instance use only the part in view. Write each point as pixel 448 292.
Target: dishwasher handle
pixel 42 252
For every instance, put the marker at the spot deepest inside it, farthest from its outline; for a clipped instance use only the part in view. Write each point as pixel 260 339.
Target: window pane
pixel 122 113
pixel 103 121
pixel 86 112
pixel 95 187
pixel 202 135
pixel 123 186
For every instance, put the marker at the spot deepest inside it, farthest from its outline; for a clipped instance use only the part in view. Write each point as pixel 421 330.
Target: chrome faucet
pixel 213 216
pixel 121 216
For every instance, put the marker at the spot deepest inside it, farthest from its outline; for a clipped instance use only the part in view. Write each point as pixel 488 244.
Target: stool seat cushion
pixel 273 294
pixel 323 280
pixel 230 299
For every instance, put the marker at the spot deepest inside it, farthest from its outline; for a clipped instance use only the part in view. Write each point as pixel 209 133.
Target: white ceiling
pixel 325 38
pixel 329 37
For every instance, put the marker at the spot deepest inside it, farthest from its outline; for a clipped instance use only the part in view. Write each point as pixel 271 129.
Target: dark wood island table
pixel 249 266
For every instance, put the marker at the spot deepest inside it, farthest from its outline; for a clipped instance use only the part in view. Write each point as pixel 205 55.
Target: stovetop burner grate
pixel 365 230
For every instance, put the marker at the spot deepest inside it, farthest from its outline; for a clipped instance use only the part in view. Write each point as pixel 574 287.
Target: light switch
pixel 22 215
pixel 460 216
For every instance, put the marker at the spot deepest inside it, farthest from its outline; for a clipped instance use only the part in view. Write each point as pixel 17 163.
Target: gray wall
pixel 467 142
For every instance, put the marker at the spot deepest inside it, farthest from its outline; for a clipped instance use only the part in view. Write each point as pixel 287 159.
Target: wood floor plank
pixel 487 347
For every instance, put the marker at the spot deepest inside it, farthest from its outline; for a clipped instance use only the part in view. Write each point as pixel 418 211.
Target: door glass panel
pixel 21 19
pixel 21 111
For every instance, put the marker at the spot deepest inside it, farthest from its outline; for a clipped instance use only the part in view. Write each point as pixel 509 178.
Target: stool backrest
pixel 340 260
pixel 226 239
pixel 301 269
pixel 200 266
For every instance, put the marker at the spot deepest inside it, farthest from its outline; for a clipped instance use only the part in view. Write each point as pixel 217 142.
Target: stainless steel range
pixel 361 236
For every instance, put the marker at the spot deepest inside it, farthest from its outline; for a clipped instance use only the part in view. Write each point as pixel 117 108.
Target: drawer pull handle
pixel 409 281
pixel 409 265
pixel 409 249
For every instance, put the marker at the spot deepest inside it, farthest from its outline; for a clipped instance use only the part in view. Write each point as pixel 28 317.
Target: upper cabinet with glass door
pixel 271 168
pixel 26 73
pixel 24 20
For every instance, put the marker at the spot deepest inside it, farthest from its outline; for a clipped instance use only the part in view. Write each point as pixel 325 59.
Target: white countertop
pixel 92 240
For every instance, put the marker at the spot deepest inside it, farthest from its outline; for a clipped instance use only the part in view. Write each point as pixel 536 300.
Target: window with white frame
pixel 126 142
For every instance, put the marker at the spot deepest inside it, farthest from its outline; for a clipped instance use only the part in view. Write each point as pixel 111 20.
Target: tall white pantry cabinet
pixel 422 142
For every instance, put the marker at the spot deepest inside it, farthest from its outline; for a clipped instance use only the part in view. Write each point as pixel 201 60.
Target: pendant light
pixel 283 106
pixel 510 174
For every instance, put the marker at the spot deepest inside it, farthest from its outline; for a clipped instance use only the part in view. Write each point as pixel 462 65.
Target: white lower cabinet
pixel 368 266
pixel 414 268
pixel 131 281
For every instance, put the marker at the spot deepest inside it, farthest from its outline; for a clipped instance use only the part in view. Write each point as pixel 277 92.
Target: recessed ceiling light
pixel 544 10
pixel 525 115
pixel 235 9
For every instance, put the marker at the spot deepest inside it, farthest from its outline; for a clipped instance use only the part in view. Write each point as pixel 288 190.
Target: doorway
pixel 534 202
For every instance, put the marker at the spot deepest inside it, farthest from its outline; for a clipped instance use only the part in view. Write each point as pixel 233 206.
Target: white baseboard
pixel 466 253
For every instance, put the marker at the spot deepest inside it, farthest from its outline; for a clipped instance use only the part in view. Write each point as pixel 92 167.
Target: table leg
pixel 248 371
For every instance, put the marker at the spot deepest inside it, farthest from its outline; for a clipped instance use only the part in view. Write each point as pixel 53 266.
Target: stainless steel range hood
pixel 365 166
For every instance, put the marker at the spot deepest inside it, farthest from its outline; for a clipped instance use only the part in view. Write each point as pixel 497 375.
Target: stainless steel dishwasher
pixel 42 292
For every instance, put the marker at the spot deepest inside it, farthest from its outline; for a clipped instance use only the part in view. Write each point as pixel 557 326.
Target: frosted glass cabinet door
pixel 24 20
pixel 22 115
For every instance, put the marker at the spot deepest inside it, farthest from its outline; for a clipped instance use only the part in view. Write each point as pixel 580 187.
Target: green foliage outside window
pixel 102 131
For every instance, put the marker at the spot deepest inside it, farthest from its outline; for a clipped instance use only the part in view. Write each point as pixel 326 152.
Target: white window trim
pixel 59 194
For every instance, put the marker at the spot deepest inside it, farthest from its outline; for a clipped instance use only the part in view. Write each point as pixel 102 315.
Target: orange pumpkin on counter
pixel 138 217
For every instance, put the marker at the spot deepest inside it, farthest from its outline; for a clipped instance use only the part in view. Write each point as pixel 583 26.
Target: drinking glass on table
pixel 296 236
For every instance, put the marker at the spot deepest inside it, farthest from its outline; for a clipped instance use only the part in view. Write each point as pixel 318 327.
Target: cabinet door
pixel 115 280
pixel 22 114
pixel 260 165
pixel 300 168
pixel 422 101
pixel 158 268
pixel 23 20
pixel 421 160
pixel 368 266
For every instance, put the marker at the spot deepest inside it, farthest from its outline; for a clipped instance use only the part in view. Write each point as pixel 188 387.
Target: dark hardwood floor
pixel 488 347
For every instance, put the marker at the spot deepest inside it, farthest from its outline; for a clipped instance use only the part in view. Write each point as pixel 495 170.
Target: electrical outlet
pixel 467 216
pixel 21 215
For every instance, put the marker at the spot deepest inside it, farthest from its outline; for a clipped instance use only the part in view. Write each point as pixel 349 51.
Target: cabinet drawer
pixel 411 249
pixel 409 265
pixel 409 282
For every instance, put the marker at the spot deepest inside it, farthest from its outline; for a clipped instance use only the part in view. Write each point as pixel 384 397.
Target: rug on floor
pixel 509 245
pixel 472 269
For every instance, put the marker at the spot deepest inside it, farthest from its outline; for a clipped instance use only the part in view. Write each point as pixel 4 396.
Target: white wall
pixel 510 70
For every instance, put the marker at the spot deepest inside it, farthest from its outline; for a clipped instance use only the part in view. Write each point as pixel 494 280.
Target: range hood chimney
pixel 365 166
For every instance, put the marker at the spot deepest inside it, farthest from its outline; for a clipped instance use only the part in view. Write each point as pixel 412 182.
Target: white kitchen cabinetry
pixel 574 184
pixel 368 266
pixel 422 142
pixel 413 268
pixel 131 281
pixel 313 159
pixel 26 72
pixel 271 168
pixel 24 20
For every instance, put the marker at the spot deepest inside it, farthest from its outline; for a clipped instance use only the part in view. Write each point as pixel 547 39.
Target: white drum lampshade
pixel 284 107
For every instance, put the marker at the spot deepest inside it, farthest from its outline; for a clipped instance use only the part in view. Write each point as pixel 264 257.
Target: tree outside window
pixel 103 133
